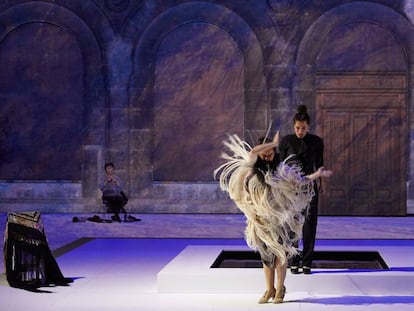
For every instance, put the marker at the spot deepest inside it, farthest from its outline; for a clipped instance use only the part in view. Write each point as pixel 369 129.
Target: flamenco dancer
pixel 273 196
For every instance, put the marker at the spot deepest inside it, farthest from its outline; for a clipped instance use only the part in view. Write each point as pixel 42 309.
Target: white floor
pixel 121 274
pixel 193 265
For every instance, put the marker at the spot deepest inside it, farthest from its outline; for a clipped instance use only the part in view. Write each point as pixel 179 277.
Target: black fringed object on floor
pixel 28 261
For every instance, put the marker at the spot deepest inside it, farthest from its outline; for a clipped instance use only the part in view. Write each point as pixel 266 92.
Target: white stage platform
pixel 190 272
pixel 121 274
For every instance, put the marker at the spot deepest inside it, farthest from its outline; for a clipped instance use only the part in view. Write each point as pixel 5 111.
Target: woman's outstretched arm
pixel 321 172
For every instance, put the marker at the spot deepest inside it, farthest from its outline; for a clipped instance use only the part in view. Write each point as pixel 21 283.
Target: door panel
pixel 364 133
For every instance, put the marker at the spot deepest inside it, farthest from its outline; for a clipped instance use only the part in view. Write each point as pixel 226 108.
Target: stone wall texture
pixel 156 86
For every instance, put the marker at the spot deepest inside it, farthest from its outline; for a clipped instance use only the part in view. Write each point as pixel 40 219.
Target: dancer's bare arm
pixel 264 147
pixel 321 172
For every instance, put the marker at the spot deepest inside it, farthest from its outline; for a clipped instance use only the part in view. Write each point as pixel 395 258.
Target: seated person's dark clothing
pixel 113 196
pixel 115 203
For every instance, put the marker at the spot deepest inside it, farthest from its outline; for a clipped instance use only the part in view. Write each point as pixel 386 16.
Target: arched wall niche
pixel 90 98
pixel 204 101
pixel 212 20
pixel 334 87
pixel 318 33
pixel 361 46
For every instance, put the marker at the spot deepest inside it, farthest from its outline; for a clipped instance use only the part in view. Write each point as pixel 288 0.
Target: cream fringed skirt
pixel 275 209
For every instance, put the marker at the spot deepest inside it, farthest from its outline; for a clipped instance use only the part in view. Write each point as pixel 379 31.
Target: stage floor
pixel 127 274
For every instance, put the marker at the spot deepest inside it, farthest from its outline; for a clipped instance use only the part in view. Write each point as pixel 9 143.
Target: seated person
pixel 112 194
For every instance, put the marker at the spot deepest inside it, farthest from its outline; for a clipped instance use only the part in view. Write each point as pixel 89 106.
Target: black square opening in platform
pixel 355 260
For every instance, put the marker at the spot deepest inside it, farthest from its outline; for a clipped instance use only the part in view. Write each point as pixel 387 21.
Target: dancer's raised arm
pixel 265 146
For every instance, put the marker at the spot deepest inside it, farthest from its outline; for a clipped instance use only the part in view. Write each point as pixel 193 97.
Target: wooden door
pixel 363 122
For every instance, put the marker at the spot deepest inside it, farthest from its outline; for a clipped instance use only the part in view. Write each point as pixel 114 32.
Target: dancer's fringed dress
pixel 274 203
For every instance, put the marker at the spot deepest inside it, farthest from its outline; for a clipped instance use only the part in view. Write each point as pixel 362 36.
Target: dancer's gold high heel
pixel 280 295
pixel 269 294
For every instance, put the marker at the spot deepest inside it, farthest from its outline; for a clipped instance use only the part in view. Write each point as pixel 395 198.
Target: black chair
pixel 115 203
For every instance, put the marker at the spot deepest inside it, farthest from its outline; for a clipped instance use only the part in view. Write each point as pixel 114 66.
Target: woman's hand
pixel 324 173
pixel 320 173
pixel 111 179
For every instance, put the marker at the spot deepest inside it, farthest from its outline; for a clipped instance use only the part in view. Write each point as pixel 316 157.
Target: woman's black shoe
pixel 306 270
pixel 294 270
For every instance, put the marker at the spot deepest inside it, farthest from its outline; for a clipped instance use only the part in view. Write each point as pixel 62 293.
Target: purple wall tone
pixel 155 86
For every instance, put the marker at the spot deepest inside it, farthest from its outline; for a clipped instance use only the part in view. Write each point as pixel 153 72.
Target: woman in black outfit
pixel 307 150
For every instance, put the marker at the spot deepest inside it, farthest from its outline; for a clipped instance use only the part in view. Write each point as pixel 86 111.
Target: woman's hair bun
pixel 302 114
pixel 302 109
